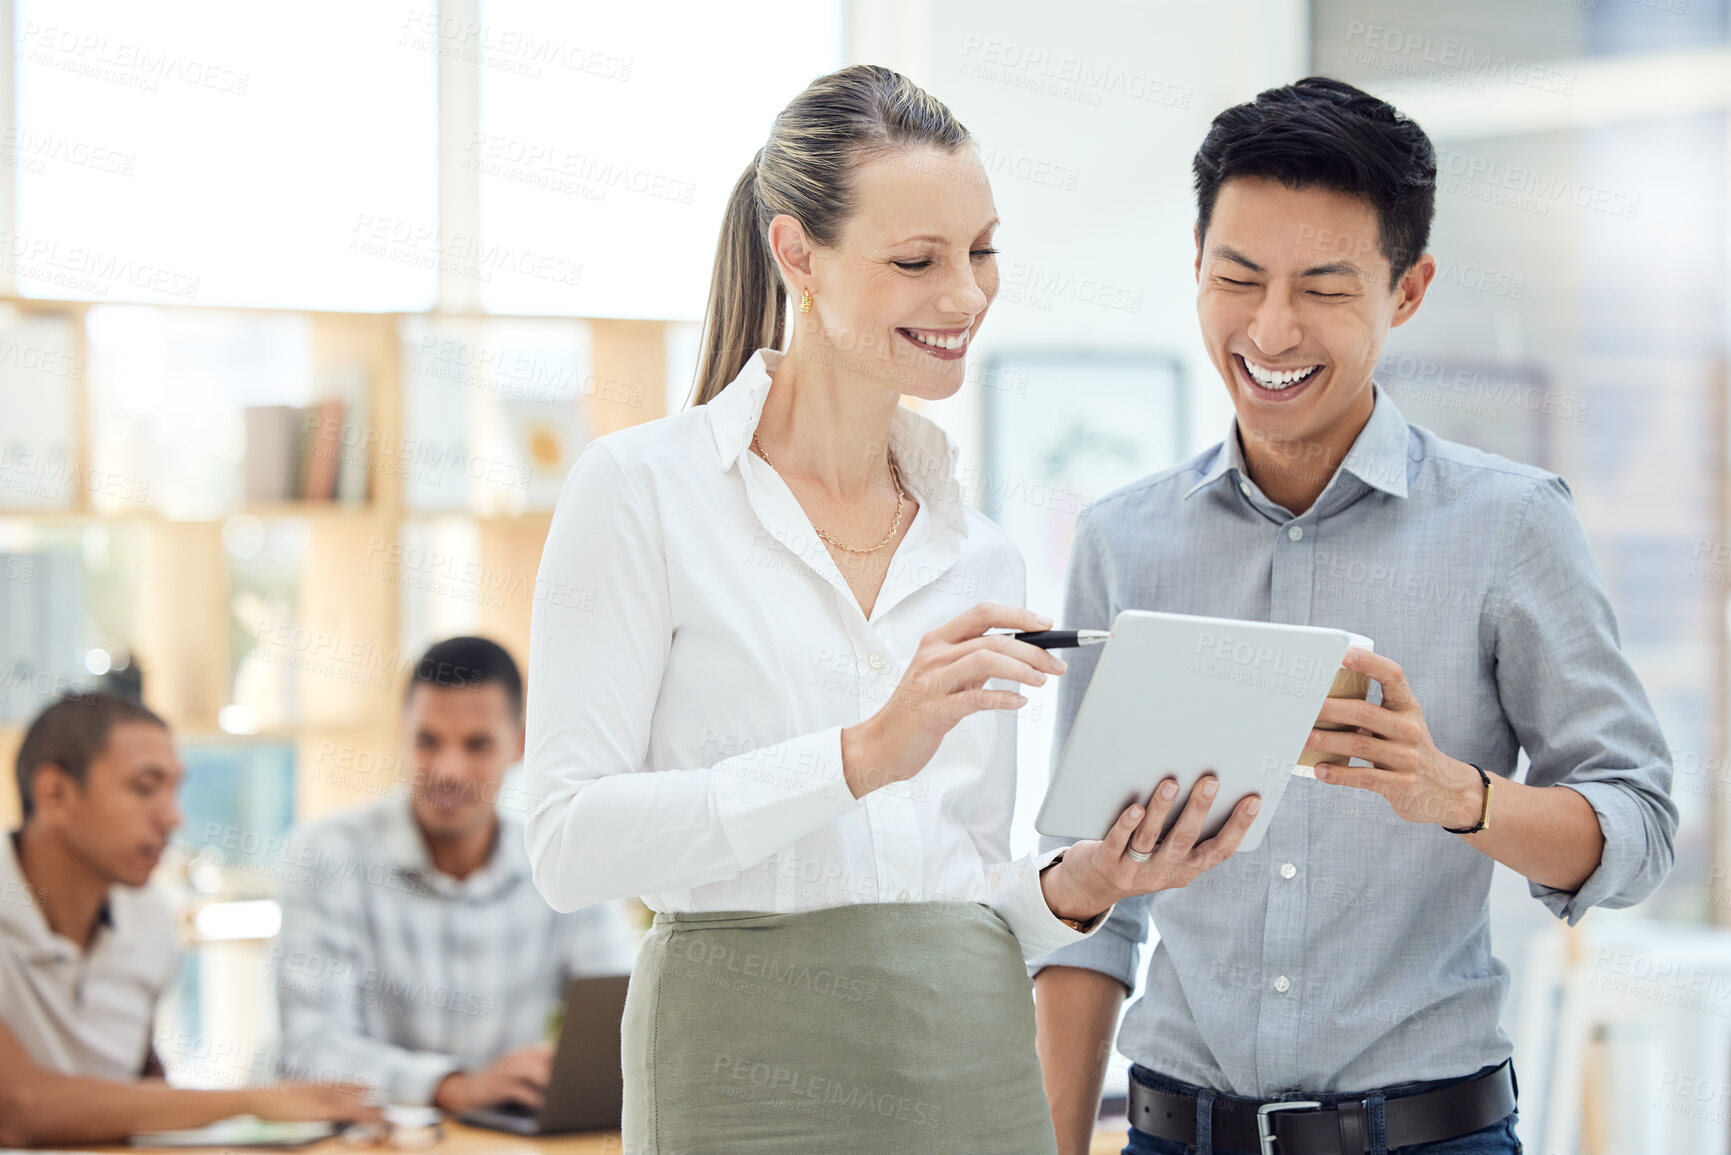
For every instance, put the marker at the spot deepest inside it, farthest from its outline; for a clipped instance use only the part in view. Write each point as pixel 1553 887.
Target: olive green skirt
pixel 876 1027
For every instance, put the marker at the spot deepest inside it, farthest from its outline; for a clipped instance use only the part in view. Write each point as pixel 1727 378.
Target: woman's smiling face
pixel 907 285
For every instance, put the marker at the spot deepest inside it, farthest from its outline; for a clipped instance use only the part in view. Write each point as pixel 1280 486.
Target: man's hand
pixel 309 1102
pixel 1421 782
pixel 44 1108
pixel 519 1077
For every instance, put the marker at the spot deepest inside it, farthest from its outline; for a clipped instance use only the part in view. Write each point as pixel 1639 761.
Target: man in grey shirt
pixel 416 953
pixel 1347 961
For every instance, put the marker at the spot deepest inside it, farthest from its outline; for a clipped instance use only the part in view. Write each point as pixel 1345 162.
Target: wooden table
pixel 461 1139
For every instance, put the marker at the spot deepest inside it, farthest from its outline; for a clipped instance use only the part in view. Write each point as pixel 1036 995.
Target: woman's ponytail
pixel 746 305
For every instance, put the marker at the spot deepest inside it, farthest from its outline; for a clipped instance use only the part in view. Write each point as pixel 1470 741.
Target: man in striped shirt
pixel 416 953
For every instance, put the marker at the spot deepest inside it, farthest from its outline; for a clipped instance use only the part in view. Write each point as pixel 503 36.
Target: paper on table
pixel 240 1131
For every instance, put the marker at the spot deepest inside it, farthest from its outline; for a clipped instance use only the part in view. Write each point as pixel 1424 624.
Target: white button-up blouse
pixel 694 654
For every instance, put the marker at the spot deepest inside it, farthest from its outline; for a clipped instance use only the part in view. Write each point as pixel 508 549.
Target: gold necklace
pixel 895 476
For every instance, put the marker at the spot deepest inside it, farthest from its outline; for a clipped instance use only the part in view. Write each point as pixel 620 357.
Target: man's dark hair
pixel 1324 133
pixel 469 663
pixel 72 733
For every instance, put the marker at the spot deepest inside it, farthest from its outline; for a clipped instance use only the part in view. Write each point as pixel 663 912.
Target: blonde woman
pixel 777 714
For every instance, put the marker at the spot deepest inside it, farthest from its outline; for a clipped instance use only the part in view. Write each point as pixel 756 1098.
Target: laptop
pixel 586 1091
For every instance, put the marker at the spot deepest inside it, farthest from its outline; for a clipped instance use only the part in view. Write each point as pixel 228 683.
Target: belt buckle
pixel 1265 1125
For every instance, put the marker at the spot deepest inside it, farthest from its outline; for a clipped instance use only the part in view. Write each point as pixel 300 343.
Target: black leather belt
pixel 1290 1127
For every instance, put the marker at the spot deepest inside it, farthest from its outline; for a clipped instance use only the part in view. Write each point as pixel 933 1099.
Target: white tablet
pixel 1183 696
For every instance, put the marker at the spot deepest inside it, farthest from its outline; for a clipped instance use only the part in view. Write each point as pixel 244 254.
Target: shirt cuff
pixel 778 794
pixel 1112 953
pixel 1017 898
pixel 1622 823
pixel 419 1076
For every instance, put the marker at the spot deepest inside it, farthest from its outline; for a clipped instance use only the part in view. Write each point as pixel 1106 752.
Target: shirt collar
pixel 22 918
pixel 924 453
pixel 401 841
pixel 1378 456
pixel 404 846
pixel 1228 458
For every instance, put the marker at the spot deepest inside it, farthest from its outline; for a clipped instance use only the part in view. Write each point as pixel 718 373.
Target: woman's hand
pixel 1097 873
pixel 944 683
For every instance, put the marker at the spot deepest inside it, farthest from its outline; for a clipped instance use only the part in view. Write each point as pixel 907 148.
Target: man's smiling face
pixel 1294 299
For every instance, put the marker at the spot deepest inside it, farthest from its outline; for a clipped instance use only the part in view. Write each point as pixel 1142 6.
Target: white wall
pixel 1105 192
pixel 1088 117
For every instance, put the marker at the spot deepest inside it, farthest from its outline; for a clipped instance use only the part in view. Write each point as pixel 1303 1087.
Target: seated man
pixel 86 949
pixel 415 948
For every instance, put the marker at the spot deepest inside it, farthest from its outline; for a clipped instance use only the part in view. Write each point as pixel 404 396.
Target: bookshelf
pixel 343 665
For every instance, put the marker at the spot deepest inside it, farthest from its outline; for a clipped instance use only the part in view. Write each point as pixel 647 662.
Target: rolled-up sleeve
pixel 1577 707
pixel 602 824
pixel 1115 947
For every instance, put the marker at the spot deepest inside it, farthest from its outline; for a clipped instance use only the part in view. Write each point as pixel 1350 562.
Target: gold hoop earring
pixel 805 300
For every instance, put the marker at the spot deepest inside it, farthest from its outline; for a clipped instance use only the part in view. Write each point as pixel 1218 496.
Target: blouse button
pixel 1282 984
pixel 878 661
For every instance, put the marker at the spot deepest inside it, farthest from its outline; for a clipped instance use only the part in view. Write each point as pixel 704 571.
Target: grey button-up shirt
pixel 393 974
pixel 1352 949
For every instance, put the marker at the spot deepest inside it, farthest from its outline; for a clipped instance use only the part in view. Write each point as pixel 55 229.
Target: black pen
pixel 1064 639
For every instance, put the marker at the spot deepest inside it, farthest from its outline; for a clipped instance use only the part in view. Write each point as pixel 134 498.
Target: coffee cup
pixel 1347 684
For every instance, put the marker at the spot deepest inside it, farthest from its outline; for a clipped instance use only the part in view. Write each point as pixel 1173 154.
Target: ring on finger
pixel 1138 855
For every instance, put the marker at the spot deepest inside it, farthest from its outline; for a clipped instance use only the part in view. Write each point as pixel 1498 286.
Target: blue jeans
pixel 1497 1139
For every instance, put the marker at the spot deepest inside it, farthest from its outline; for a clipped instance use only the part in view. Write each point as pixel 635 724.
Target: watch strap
pixel 1080 925
pixel 1484 815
